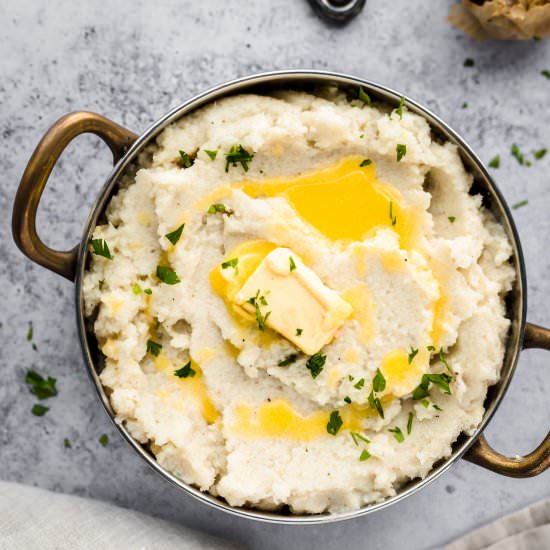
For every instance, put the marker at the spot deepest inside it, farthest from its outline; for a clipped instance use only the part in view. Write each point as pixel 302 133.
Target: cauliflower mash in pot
pixel 298 300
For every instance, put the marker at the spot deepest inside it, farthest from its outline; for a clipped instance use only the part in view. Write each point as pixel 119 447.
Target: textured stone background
pixel 134 60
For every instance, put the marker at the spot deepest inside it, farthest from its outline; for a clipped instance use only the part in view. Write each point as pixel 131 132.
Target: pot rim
pixel 472 163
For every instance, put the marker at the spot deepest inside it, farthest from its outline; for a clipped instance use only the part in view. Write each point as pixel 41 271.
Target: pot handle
pixel 534 463
pixel 36 175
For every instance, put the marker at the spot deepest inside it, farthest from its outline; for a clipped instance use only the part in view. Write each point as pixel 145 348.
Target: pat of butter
pixel 293 301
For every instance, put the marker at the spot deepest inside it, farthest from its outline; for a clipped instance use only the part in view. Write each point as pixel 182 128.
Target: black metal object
pixel 337 11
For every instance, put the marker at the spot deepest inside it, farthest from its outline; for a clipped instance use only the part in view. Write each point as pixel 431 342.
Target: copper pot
pixel 125 145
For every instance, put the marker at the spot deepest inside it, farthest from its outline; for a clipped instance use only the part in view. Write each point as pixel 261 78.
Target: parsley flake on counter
pixel 545 73
pixel 101 284
pixel 412 354
pixel 288 360
pixel 469 62
pixel 186 371
pixel 517 154
pixel 234 263
pixel 358 437
pixel 365 455
pixel 452 219
pixel 316 363
pixel 335 423
pixel 101 248
pixel 393 218
pixel 540 153
pixel 148 291
pixel 465 105
pixel 153 348
pixel 167 275
pixel 399 110
pixel 495 162
pixel 299 331
pixel 366 162
pixel 292 264
pixel 185 159
pixel 219 208
pixel 519 204
pixel 347 399
pixel 397 433
pixel 41 387
pixel 29 333
pixel 39 410
pixel 67 443
pixel 104 439
pixel 174 236
pixel 237 155
pixel 136 289
pixel 378 382
pixel 401 151
pixel 410 423
pixel 211 154
pixel 359 385
pixel 375 404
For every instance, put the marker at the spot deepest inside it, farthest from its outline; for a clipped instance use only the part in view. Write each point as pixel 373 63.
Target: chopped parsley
pixel 393 218
pixel 260 318
pixel 316 363
pixel 299 331
pixel 101 248
pixel 238 155
pixel 365 455
pixel 41 387
pixel 465 105
pixel 366 162
pixel 430 348
pixel 397 433
pixel 545 73
pixel 153 348
pixel 363 96
pixel 101 284
pixel 425 403
pixel 410 423
pixel 469 62
pixel 185 159
pixel 29 333
pixel 175 235
pixel 39 410
pixel 186 371
pixel 517 154
pixel 375 404
pixel 443 359
pixel 219 208
pixel 67 443
pixel 442 381
pixel 540 153
pixel 436 407
pixel 148 291
pixel 412 354
pixel 211 154
pixel 399 109
pixel 359 385
pixel 335 423
pixel 234 263
pixel 288 360
pixel 401 151
pixel 495 162
pixel 358 437
pixel 452 219
pixel 347 399
pixel 378 382
pixel 104 439
pixel 136 289
pixel 167 275
pixel 291 263
pixel 519 204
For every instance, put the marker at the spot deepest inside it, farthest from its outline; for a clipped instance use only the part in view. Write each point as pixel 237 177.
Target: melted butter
pixel 193 386
pixel 402 377
pixel 334 376
pixel 114 304
pixel 143 218
pixel 343 201
pixel 110 349
pixel 364 310
pixel 438 318
pixel 351 355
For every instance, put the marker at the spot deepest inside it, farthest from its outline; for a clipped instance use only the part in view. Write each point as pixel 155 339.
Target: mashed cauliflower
pixel 381 216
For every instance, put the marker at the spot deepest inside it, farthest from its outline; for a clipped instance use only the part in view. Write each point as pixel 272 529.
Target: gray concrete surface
pixel 134 60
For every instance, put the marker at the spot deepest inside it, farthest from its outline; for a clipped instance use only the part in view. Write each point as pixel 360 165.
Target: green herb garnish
pixel 175 235
pixel 365 455
pixel 545 73
pixel 104 439
pixel 378 382
pixel 288 360
pixel 430 348
pixel 366 162
pixel 167 275
pixel 101 248
pixel 211 154
pixel 412 354
pixel 218 208
pixel 410 423
pixel 399 109
pixel 186 371
pixel 465 105
pixel 101 284
pixel 292 264
pixel 359 385
pixel 335 423
pixel 42 388
pixel 540 153
pixel 136 289
pixel 517 154
pixel 393 218
pixel 238 155
pixel 260 318
pixel 185 159
pixel 148 291
pixel 469 62
pixel 363 96
pixel 233 262
pixel 347 399
pixel 442 381
pixel 358 437
pixel 443 359
pixel 153 348
pixel 39 410
pixel 401 151
pixel 316 363
pixel 452 219
pixel 299 331
pixel 374 403
pixel 397 433
pixel 495 162
pixel 66 443
pixel 519 204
